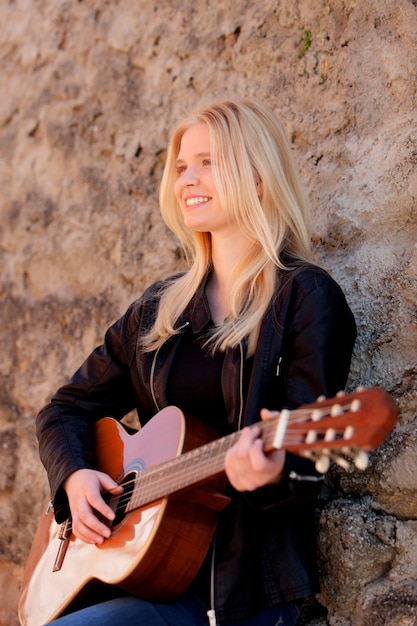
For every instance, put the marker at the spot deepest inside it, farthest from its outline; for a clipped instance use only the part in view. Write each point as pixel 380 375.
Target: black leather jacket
pixel 264 549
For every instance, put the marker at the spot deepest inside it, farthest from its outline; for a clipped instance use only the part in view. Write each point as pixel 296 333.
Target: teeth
pixel 192 201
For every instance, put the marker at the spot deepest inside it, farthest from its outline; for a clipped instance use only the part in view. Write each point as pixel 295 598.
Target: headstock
pixel 341 429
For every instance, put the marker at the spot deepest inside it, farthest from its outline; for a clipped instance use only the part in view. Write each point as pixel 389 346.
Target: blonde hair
pixel 248 145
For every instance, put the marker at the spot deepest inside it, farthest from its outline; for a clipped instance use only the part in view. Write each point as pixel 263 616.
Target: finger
pixel 238 463
pixel 277 463
pixel 245 441
pixel 95 497
pixel 85 534
pixel 108 484
pixel 266 414
pixel 257 458
pixel 87 527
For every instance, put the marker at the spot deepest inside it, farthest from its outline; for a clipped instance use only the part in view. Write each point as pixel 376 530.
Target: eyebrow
pixel 199 155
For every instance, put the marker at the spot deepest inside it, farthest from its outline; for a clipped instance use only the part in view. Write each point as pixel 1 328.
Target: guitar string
pixel 151 475
pixel 155 477
pixel 157 482
pixel 294 418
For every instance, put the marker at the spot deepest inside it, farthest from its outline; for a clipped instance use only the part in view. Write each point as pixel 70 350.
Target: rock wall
pixel 89 90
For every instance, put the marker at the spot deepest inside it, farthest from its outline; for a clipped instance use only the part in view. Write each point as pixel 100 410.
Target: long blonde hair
pixel 248 146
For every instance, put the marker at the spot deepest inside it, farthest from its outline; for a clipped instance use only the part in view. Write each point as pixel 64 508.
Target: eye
pixel 207 162
pixel 180 169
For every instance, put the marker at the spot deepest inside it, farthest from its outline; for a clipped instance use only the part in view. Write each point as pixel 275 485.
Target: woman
pixel 252 327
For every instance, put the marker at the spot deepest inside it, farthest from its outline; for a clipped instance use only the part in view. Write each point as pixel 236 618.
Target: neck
pixel 226 253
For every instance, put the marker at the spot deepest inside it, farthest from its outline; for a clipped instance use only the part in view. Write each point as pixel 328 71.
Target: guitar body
pixel 154 551
pixel 173 478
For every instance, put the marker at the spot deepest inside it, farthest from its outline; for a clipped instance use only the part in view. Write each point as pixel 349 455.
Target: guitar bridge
pixel 64 538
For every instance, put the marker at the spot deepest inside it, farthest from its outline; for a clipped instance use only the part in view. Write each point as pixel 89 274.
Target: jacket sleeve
pixel 318 347
pixel 318 340
pixel 101 387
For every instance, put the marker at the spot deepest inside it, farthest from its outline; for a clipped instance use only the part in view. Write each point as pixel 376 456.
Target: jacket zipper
pixel 211 613
pixel 240 388
pixel 212 617
pixel 152 379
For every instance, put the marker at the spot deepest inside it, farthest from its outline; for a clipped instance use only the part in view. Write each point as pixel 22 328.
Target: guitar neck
pixel 201 464
pixel 341 429
pixel 187 470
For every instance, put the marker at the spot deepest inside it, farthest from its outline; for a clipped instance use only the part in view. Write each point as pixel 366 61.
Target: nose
pixel 190 176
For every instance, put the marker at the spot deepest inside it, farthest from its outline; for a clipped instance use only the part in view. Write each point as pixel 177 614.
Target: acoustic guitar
pixel 174 484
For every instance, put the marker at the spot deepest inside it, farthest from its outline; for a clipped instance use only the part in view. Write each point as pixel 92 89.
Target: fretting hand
pixel 247 466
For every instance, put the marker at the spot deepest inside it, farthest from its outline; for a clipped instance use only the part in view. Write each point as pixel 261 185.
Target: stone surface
pixel 89 91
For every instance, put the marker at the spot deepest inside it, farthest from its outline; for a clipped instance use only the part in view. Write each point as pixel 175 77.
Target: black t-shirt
pixel 194 385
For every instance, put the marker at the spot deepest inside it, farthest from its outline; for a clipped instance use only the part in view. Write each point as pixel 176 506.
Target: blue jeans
pixel 188 611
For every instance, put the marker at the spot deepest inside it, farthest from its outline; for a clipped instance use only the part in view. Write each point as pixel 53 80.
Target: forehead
pixel 195 141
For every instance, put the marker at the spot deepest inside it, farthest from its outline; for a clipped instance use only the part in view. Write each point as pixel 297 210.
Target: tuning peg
pixel 355 405
pixel 321 460
pixel 311 437
pixel 316 415
pixel 348 432
pixel 341 462
pixel 336 410
pixel 361 460
pixel 322 464
pixel 340 394
pixel 330 434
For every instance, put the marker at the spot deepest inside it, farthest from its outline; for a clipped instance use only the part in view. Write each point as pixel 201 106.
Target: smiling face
pixel 195 187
